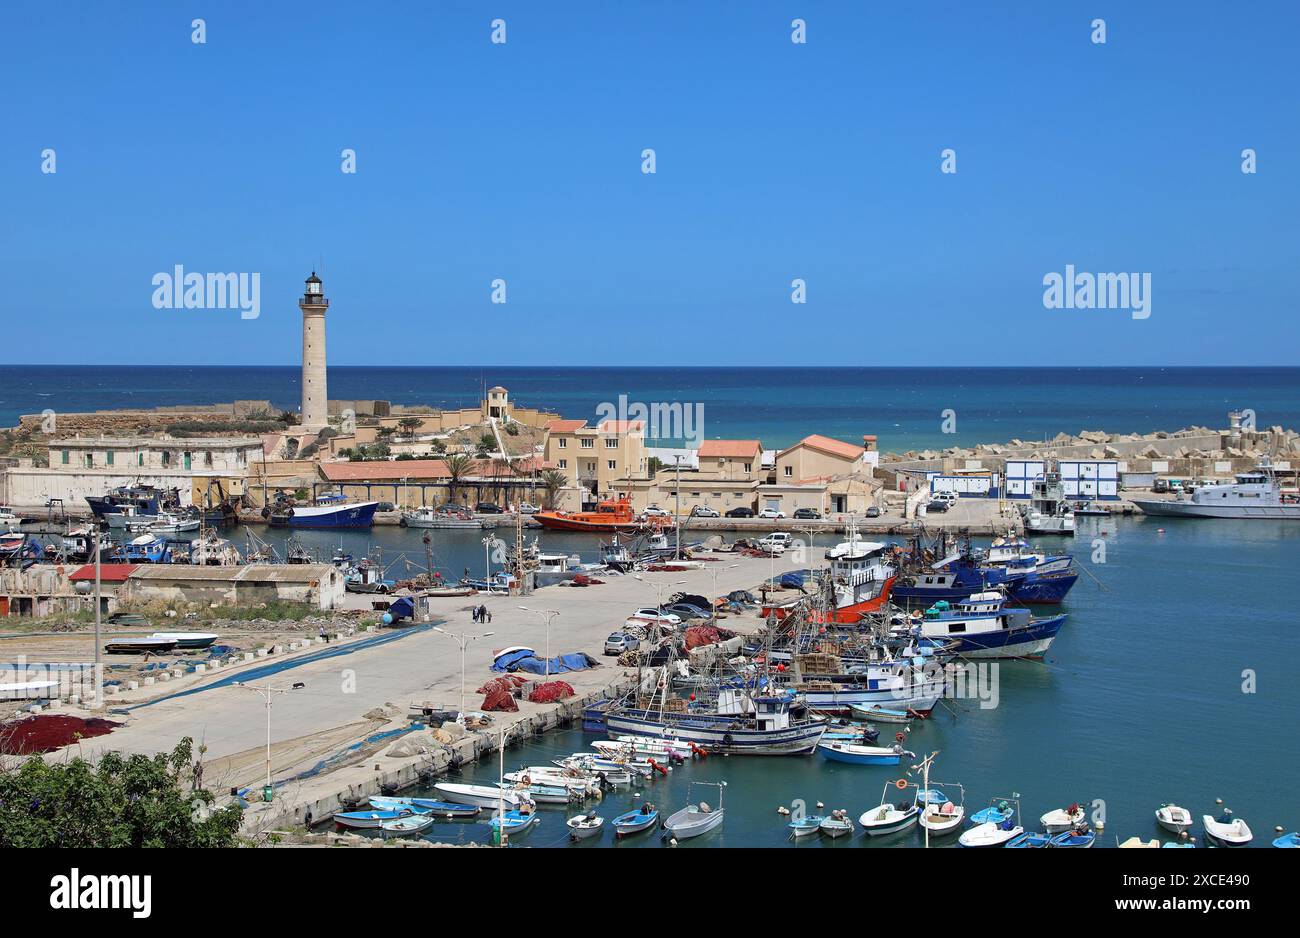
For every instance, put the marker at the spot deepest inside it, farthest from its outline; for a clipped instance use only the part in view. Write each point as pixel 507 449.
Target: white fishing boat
pixel 1227 831
pixel 167 523
pixel 698 817
pixel 406 826
pixel 585 826
pixel 485 796
pixel 939 814
pixel 1174 818
pixel 645 749
pixel 1062 819
pixel 543 794
pixel 888 817
pixel 836 824
pixel 1000 827
pixel 439 518
pixel 805 826
pixel 191 640
pixel 9 522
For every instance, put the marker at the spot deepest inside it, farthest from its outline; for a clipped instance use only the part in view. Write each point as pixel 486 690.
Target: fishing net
pixel 47 733
pixel 698 635
pixel 499 693
pixel 551 691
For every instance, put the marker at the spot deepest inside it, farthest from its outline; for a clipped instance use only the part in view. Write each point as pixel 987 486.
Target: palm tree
pixel 458 467
pixel 552 481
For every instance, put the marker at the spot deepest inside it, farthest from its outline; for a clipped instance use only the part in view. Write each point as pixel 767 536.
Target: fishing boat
pixel 585 826
pixel 742 721
pixel 1030 841
pixel 485 796
pixel 634 822
pixel 1135 842
pixel 544 794
pixel 1170 843
pixel 514 822
pixel 696 818
pixel 168 523
pixel 1062 819
pixel 863 755
pixel 610 516
pixel 410 826
pixel 147 548
pixel 1291 840
pixel 9 522
pixel 1080 837
pixel 1048 512
pixel 139 646
pixel 188 640
pixel 939 814
pixel 995 826
pixel 879 714
pixel 888 817
pixel 443 809
pixel 984 627
pixel 836 824
pixel 805 826
pixel 368 820
pixel 1254 495
pixel 329 512
pixel 907 683
pixel 1227 831
pixel 1015 555
pixel 1173 818
pixel 646 746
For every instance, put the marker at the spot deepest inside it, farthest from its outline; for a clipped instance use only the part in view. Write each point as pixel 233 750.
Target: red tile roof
pixel 730 449
pixel 828 445
pixel 564 426
pixel 108 572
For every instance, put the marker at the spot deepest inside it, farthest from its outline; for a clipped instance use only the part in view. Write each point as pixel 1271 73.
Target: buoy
pixel 1218 801
pixel 672 841
pixel 783 810
pixel 1279 829
pixel 1160 530
pixel 820 805
pixel 900 737
pixel 692 697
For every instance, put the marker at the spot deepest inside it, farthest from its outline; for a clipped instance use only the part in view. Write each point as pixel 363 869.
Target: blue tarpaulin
pixel 526 659
pixel 794 580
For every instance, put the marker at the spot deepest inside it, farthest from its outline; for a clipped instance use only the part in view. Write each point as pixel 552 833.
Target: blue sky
pixel 775 161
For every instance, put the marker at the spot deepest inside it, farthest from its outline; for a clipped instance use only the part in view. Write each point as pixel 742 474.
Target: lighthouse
pixel 315 397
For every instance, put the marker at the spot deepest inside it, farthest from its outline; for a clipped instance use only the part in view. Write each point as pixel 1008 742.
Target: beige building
pixel 819 456
pixel 605 460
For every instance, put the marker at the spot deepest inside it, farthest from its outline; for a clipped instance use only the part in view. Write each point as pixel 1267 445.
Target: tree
pixel 121 801
pixel 553 480
pixel 458 467
pixel 409 425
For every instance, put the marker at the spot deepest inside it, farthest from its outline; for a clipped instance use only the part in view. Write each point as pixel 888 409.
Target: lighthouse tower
pixel 315 397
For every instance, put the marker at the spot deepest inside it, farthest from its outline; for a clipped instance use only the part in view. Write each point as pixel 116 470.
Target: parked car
pixel 775 543
pixel 489 508
pixel 807 514
pixel 528 508
pixel 652 616
pixel 938 504
pixel 741 513
pixel 771 513
pixel 619 642
pixel 688 611
pixel 873 511
pixel 654 511
pixel 703 511
pixel 385 506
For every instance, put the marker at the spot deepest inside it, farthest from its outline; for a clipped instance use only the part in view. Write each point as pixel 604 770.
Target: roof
pixel 620 426
pixel 730 449
pixel 830 445
pixel 395 470
pixel 250 573
pixel 559 425
pixel 108 572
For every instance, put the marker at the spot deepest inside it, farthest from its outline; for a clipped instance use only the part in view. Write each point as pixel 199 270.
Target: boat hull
pixel 1031 641
pixel 688 823
pixel 901 822
pixel 1172 509
pixel 721 737
pixel 361 515
pixel 860 755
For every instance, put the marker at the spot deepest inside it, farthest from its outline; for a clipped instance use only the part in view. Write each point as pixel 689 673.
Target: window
pixel 65 457
pixel 613 464
pixel 90 460
pixel 611 442
pixel 108 458
pixel 749 467
pixel 207 458
pixel 166 458
pixel 588 442
pixel 789 471
pixel 564 464
pixel 139 459
pixel 562 443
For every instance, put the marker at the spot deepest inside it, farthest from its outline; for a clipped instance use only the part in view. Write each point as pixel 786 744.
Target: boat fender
pixel 900 736
pixel 900 784
pixel 727 739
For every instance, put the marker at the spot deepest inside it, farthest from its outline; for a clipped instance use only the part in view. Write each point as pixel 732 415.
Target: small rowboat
pixel 485 796
pixel 889 818
pixel 1135 842
pixel 940 816
pixel 1029 840
pixel 367 820
pixel 516 822
pixel 1288 840
pixel 1075 838
pixel 805 826
pixel 1227 831
pixel 990 834
pixel 139 646
pixel 187 639
pixel 837 825
pixel 1173 818
pixel 1062 819
pixel 863 755
pixel 406 826
pixel 879 714
pixel 585 826
pixel 445 809
pixel 634 822
pixel 995 814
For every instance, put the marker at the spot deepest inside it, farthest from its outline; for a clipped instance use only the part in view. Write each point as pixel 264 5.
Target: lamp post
pixel 547 615
pixel 487 562
pixel 659 587
pixel 462 640
pixel 266 692
pixel 677 510
pixel 713 607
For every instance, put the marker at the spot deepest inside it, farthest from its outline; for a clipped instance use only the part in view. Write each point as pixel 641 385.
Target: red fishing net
pixel 47 733
pixel 551 691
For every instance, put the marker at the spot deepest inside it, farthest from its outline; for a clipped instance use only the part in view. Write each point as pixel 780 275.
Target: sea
pixel 1171 680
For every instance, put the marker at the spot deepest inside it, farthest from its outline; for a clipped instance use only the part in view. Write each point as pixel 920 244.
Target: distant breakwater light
pixel 181 290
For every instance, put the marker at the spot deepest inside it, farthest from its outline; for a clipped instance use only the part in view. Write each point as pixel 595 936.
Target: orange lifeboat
pixel 609 516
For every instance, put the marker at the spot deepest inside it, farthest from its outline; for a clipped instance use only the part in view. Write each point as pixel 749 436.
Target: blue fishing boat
pixel 634 822
pixel 1029 840
pixel 515 822
pixel 805 826
pixel 1288 840
pixel 984 627
pixel 1080 837
pixel 995 814
pixel 368 819
pixel 445 809
pixel 741 722
pixel 330 511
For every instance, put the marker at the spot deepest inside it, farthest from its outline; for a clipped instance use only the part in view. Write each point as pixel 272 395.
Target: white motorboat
pixel 1254 494
pixel 9 522
pixel 485 796
pixel 436 518
pixel 173 524
pixel 1173 818
pixel 939 815
pixel 836 824
pixel 697 818
pixel 585 826
pixel 1062 819
pixel 1227 831
pixel 990 834
pixel 888 817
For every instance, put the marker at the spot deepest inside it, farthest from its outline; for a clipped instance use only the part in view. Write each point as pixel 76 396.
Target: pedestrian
pixel 489 614
pixel 474 613
pixel 324 635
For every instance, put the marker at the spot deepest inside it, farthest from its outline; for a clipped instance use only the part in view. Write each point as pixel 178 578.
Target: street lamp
pixel 462 640
pixel 487 562
pixel 677 510
pixel 659 587
pixel 713 606
pixel 547 615
pixel 266 692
